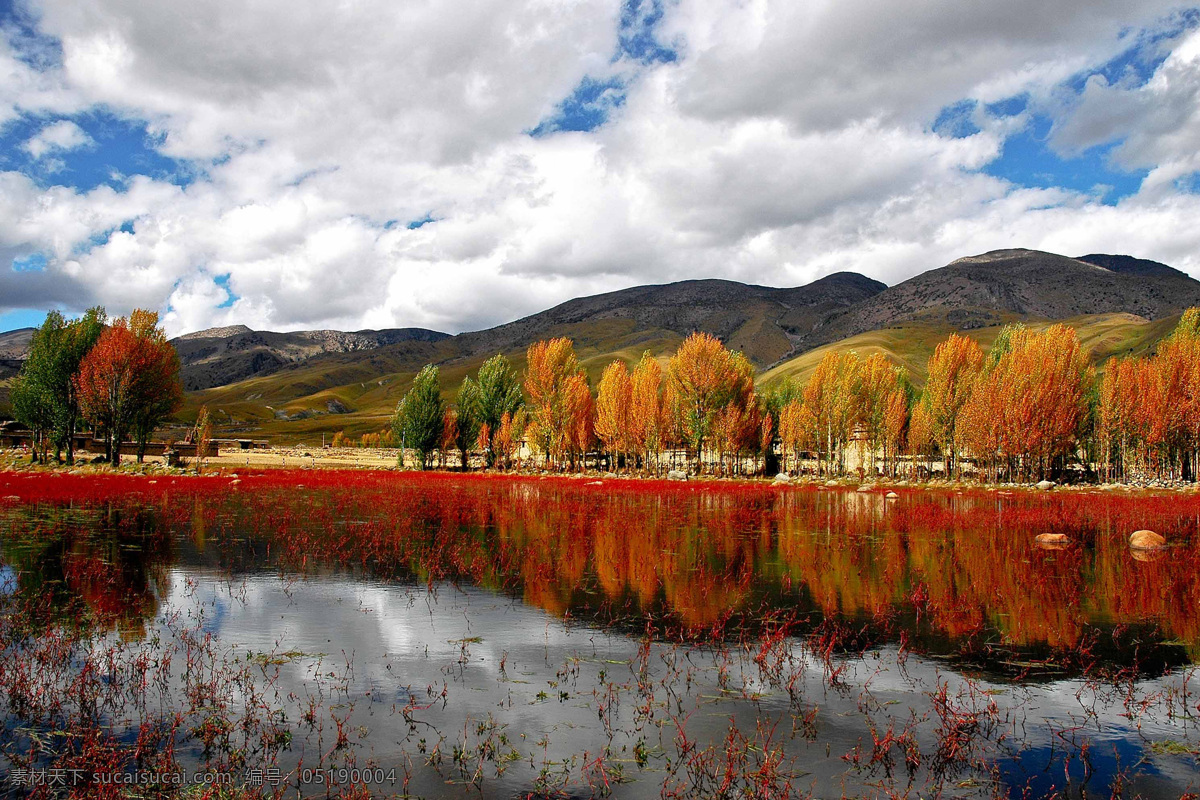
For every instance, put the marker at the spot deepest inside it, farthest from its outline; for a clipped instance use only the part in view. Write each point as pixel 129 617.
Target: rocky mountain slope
pixel 992 288
pixel 220 356
pixel 761 321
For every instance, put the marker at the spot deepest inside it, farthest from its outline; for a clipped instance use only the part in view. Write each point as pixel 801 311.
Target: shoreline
pixel 354 460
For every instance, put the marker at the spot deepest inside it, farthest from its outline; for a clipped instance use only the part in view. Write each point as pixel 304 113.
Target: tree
pixel 829 395
pixel 31 399
pixel 202 435
pixel 553 382
pixel 877 379
pixel 920 436
pixel 129 381
pixel 953 369
pixel 44 396
pixel 707 377
pixel 508 436
pixel 648 425
pixel 797 430
pixel 614 404
pixel 895 427
pixel 499 394
pixel 468 419
pixel 157 390
pixel 419 418
pixel 1029 405
pixel 581 418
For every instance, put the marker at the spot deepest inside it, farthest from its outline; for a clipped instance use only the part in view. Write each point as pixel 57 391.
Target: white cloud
pixel 786 142
pixel 57 137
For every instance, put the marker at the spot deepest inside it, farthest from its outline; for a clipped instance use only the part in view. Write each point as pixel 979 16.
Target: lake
pixel 440 635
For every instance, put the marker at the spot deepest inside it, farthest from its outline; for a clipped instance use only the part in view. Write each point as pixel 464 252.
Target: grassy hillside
pixel 369 388
pixel 910 346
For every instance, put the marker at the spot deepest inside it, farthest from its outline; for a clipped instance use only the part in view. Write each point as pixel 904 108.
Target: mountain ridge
pixel 265 375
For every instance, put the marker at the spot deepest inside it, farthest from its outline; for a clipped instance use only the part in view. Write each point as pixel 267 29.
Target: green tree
pixel 32 405
pixel 45 396
pixel 467 407
pixel 420 415
pixel 499 393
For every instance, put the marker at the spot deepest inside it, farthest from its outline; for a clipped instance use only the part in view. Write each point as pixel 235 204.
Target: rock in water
pixel 677 475
pixel 891 495
pixel 866 487
pixel 1052 538
pixel 783 477
pixel 1146 540
pixel 1044 485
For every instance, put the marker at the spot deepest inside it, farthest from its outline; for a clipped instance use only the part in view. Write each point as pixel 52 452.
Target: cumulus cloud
pixel 782 142
pixel 58 136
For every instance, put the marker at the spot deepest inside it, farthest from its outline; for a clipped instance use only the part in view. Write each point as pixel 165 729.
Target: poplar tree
pixel 420 415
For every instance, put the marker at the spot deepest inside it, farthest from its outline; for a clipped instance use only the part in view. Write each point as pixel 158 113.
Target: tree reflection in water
pixel 763 592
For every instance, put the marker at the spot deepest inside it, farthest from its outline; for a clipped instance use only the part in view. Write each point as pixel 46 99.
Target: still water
pixel 393 634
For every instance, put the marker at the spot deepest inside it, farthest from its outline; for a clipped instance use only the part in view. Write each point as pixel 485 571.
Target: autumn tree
pixel 953 369
pixel 449 435
pixel 707 378
pixel 876 381
pixel 158 391
pixel 614 402
pixel 648 425
pixel 797 430
pixel 420 416
pixel 202 434
pixel 129 381
pixel 920 439
pixel 829 395
pixel 895 427
pixel 581 418
pixel 508 436
pixel 1029 405
pixel 555 385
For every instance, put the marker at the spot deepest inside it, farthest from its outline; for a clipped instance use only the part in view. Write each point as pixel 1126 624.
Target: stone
pixel 866 487
pixel 1052 538
pixel 783 477
pixel 677 475
pixel 891 495
pixel 1044 485
pixel 1146 540
pixel 831 483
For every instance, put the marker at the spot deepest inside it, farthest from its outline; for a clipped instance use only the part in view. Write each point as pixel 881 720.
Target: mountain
pixel 13 347
pixel 220 356
pixel 15 344
pixel 760 321
pixel 295 386
pixel 1006 285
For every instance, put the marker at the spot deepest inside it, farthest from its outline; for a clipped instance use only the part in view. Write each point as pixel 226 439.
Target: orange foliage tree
pixel 129 382
pixel 614 404
pixel 560 402
pixel 707 378
pixel 648 425
pixel 953 369
pixel 829 396
pixel 1028 408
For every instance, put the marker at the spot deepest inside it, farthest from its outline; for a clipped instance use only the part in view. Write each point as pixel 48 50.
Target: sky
pixel 456 164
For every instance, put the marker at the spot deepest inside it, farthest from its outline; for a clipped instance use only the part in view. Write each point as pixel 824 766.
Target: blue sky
pixel 225 164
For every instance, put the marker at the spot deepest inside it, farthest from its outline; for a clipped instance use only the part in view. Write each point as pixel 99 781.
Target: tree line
pixel 121 376
pixel 1028 407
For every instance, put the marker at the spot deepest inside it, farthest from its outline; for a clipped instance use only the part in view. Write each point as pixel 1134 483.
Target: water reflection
pixel 615 634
